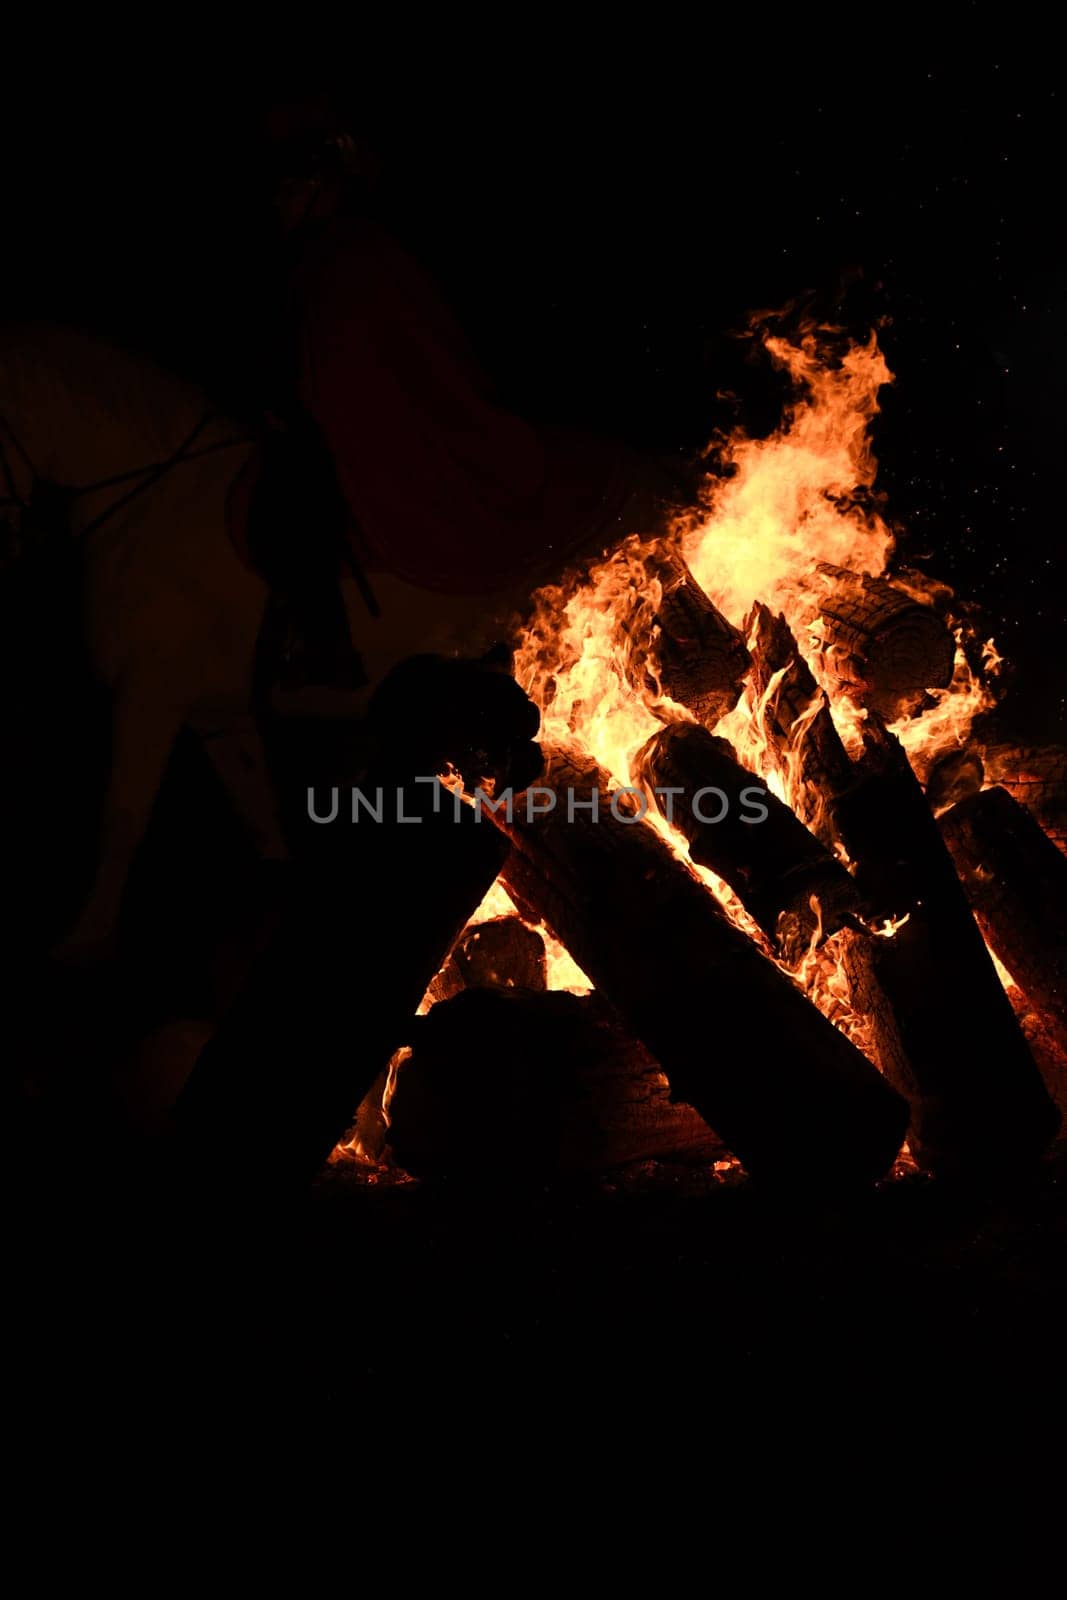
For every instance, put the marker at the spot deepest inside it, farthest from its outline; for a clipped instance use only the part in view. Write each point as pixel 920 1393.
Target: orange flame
pixel 773 510
pixel 800 496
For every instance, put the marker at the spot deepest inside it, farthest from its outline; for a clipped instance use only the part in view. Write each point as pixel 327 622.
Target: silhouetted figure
pixel 442 487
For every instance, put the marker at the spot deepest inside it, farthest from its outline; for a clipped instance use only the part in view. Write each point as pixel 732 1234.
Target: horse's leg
pixel 147 715
pixel 236 753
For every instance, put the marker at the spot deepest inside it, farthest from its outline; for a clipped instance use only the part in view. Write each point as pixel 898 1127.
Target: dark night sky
pixel 602 224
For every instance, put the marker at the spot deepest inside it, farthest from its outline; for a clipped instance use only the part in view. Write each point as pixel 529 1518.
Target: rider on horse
pixel 441 485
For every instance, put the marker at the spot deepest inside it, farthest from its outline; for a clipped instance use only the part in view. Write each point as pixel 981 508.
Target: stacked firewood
pixel 700 1021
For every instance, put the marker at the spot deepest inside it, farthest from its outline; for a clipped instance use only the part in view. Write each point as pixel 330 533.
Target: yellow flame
pixel 773 510
pixel 947 723
pixel 776 508
pixel 797 497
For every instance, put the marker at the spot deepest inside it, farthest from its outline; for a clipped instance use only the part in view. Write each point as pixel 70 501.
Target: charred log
pixel 657 946
pixel 1016 880
pixel 977 1096
pixel 783 876
pixel 626 1112
pixel 1048 1045
pixel 699 658
pixel 502 953
pixel 333 996
pixel 884 648
pixel 520 1084
pixel 1037 778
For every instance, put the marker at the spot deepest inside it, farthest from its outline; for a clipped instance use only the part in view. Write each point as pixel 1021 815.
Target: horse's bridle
pixel 141 478
pixel 12 498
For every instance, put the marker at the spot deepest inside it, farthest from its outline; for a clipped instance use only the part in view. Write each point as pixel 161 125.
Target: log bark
pixel 784 877
pixel 520 1084
pixel 977 1096
pixel 1037 778
pixel 788 1093
pixel 1016 881
pixel 883 647
pixel 626 1113
pixel 695 655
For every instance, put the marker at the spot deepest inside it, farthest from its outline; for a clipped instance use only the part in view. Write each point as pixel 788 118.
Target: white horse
pixel 172 615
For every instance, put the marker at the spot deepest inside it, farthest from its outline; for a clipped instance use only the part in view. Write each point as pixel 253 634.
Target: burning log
pixel 798 724
pixel 700 659
pixel 627 1113
pixel 520 1084
pixel 884 648
pixel 796 718
pixel 932 996
pixel 783 876
pixel 1037 778
pixel 501 953
pixel 657 946
pixel 977 1097
pixel 1016 881
pixel 871 1005
pixel 953 777
pixel 1048 1045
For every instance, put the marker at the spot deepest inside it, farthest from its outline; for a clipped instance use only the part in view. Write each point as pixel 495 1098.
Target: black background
pixel 604 216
